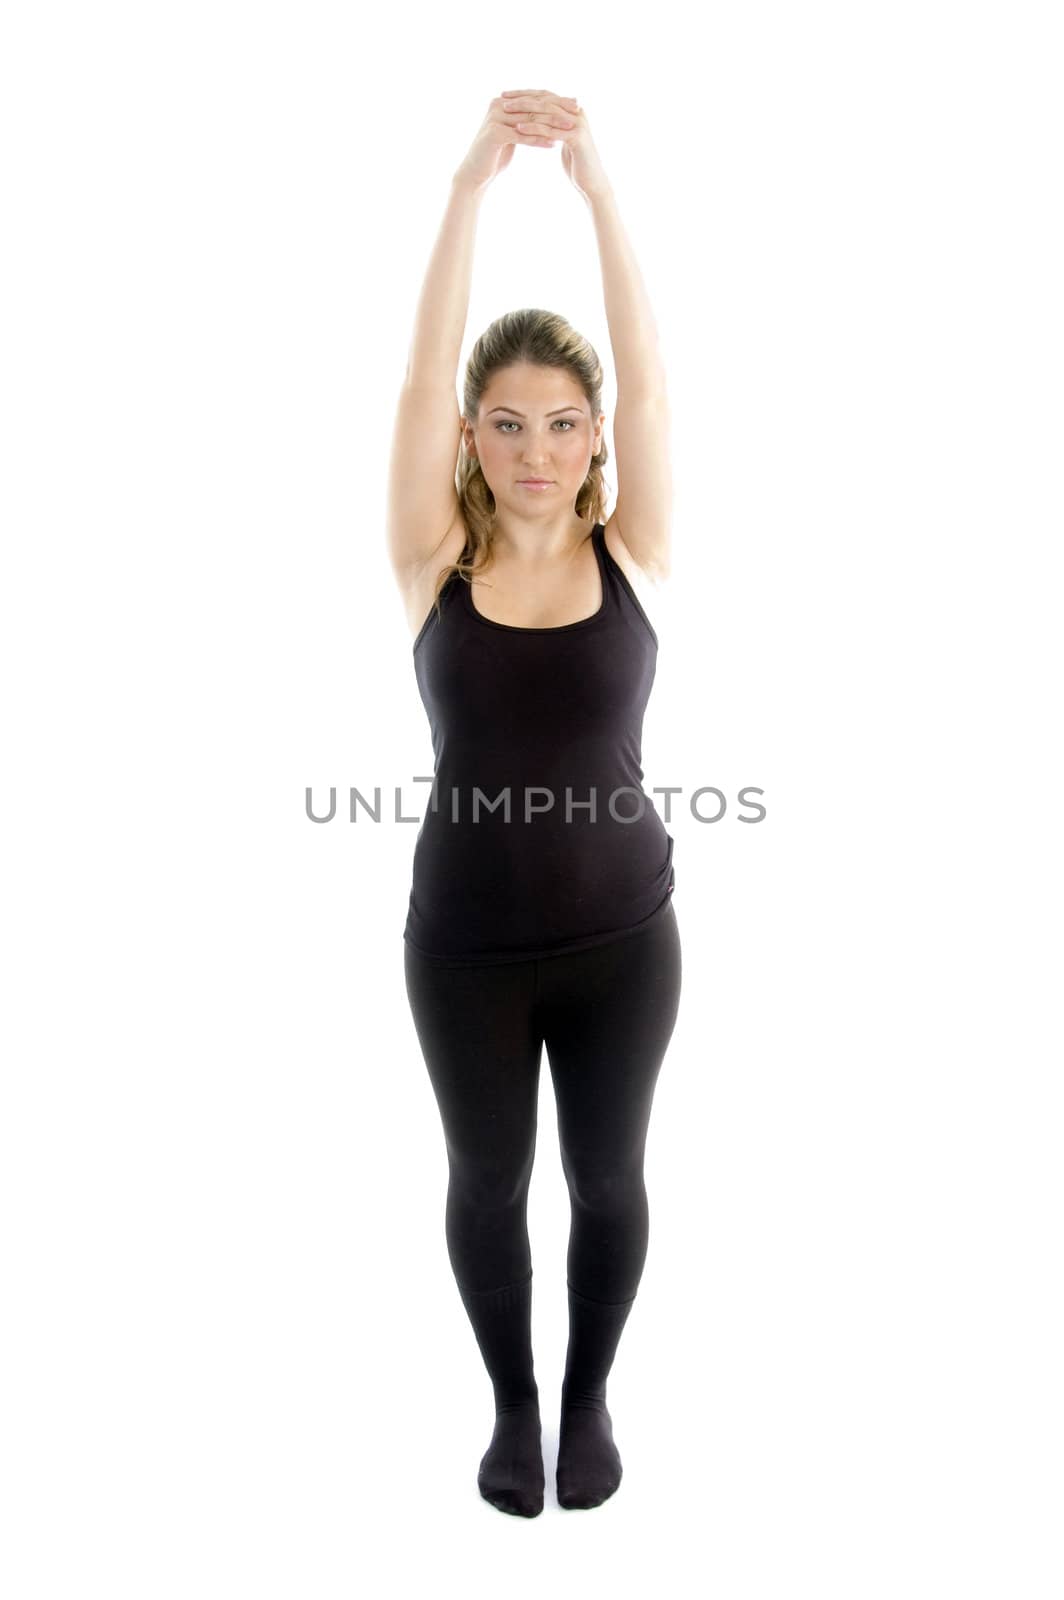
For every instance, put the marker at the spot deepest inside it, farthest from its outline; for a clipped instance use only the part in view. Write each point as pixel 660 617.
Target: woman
pixel 540 911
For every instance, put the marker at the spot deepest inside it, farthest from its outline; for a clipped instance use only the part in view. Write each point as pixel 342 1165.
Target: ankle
pixel 513 1404
pixel 586 1398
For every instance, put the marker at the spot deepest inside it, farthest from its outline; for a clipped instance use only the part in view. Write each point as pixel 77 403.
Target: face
pixel 534 422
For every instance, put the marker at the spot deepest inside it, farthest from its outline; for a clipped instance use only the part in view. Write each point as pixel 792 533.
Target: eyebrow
pixel 521 414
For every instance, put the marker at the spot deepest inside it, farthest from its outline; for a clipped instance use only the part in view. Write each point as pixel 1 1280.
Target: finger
pixel 549 131
pixel 526 103
pixel 517 136
pixel 524 108
pixel 544 119
pixel 561 99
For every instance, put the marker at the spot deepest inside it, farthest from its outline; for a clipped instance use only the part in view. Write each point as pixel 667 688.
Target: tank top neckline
pixel 561 627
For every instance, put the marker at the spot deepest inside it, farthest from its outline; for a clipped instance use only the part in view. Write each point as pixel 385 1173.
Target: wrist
pixel 465 183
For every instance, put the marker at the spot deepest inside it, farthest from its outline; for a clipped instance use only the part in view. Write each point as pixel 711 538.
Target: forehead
pixel 529 387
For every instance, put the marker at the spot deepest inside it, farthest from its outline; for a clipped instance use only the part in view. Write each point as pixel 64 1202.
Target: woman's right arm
pixel 422 498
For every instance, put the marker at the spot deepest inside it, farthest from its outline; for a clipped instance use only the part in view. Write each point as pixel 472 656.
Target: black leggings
pixel 606 1016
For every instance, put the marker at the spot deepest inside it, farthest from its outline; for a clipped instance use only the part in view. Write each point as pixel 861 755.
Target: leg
pixel 475 1028
pixel 608 1015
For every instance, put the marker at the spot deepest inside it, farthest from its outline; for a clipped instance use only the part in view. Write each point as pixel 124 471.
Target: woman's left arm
pixel 641 418
pixel 643 515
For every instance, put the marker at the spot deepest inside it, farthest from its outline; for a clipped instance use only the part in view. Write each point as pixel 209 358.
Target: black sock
pixel 589 1466
pixel 511 1472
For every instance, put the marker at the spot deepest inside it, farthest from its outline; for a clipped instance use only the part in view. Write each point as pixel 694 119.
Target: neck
pixel 536 543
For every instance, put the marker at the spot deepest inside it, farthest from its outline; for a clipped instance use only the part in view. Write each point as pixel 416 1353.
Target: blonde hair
pixel 543 339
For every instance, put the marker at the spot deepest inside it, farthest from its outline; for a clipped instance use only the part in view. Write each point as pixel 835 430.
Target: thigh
pixel 607 1016
pixel 476 1028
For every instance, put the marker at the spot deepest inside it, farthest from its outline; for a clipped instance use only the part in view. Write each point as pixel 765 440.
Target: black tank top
pixel 555 717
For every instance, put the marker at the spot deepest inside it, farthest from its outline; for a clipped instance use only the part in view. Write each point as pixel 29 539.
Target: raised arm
pixel 422 498
pixel 641 446
pixel 641 421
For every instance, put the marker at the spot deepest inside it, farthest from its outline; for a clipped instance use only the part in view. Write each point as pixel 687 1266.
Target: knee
pixel 486 1184
pixel 606 1191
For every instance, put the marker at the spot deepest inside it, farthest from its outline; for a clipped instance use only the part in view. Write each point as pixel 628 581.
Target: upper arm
pixel 422 498
pixel 642 451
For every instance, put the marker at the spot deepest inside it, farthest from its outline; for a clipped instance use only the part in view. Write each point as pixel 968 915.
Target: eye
pixel 565 421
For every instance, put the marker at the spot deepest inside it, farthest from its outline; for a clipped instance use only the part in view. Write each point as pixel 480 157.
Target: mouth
pixel 535 483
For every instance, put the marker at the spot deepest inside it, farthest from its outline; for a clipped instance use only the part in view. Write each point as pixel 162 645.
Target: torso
pixel 536 731
pixel 559 596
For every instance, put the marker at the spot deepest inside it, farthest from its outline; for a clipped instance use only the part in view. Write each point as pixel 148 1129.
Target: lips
pixel 534 480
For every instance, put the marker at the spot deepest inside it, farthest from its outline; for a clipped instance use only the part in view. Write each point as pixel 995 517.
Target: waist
pixel 489 886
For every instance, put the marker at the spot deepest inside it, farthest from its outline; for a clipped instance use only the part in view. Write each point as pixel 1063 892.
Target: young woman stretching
pixel 540 912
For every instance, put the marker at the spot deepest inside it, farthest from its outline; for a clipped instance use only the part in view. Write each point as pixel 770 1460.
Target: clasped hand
pixel 539 118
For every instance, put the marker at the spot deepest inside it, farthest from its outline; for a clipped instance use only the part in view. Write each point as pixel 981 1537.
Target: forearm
pixel 637 356
pixel 439 325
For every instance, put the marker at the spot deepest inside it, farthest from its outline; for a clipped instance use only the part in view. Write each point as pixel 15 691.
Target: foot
pixel 511 1473
pixel 589 1467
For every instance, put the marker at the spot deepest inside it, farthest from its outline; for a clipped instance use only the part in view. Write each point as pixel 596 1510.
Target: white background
pixel 234 1361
